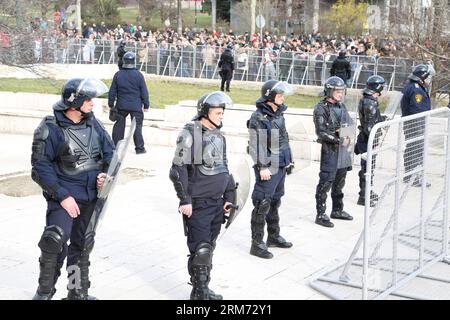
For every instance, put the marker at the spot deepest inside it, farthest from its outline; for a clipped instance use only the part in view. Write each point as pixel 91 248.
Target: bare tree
pixel 180 17
pixel 166 9
pixel 316 11
pixel 213 14
pixel 426 32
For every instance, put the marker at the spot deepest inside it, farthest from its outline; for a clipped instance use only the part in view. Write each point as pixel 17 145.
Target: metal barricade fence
pixel 202 61
pixel 406 217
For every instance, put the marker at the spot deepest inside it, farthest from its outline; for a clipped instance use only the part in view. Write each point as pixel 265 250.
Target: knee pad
pixel 276 204
pixel 202 255
pixel 88 245
pixel 263 207
pixel 52 240
pixel 340 183
pixel 324 188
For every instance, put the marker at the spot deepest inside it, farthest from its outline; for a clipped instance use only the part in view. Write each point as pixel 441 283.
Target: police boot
pixel 212 294
pixel 338 212
pixel 201 265
pixel 373 199
pixel 273 227
pixel 79 290
pixel 51 245
pixel 338 196
pixel 362 192
pixel 259 214
pixel 321 205
pixel 418 183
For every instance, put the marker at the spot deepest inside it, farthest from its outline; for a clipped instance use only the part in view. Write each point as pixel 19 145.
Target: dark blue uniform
pixel 262 122
pixel 66 159
pixel 128 93
pixel 206 192
pixel 267 194
pixel 369 116
pixel 329 117
pixel 415 100
pixel 226 63
pixel 341 68
pixel 200 176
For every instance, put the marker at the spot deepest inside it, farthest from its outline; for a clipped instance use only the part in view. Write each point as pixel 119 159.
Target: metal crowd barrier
pixel 251 64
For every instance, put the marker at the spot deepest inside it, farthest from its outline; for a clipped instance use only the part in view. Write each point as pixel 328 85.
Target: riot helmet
pixel 423 71
pixel 216 99
pixel 77 90
pixel 129 60
pixel 374 84
pixel 271 88
pixel 331 84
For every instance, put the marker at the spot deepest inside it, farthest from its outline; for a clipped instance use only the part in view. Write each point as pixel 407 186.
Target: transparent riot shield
pixel 110 182
pixel 240 170
pixel 347 131
pixel 300 144
pixel 393 105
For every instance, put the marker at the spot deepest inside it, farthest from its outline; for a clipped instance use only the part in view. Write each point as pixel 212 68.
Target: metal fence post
pixel 445 246
pixel 399 176
pixel 423 191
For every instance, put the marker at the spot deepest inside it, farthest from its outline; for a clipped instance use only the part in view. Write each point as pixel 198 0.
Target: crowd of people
pixel 299 59
pixel 312 43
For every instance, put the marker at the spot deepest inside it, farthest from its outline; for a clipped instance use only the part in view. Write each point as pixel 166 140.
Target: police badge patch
pixel 418 98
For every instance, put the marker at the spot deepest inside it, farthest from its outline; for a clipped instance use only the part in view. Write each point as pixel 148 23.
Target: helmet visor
pixel 92 88
pixel 218 99
pixel 282 87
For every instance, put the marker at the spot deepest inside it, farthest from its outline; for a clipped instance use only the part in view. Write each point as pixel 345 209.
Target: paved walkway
pixel 140 250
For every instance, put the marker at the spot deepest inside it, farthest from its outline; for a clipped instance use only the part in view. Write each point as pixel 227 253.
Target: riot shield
pixel 347 131
pixel 110 182
pixel 300 144
pixel 393 105
pixel 240 167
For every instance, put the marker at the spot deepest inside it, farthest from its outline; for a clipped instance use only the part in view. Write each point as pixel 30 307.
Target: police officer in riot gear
pixel 416 99
pixel 226 65
pixel 204 187
pixel 129 96
pixel 70 156
pixel 271 153
pixel 330 115
pixel 369 116
pixel 341 67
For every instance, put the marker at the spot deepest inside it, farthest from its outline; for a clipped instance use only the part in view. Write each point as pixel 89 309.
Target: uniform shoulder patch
pixel 416 85
pixel 418 98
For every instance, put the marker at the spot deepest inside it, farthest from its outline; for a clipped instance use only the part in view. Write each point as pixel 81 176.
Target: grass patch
pixel 162 93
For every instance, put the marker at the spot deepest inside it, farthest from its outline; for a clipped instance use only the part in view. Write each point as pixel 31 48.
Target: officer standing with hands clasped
pixel 127 96
pixel 204 187
pixel 330 117
pixel 341 67
pixel 271 153
pixel 226 65
pixel 71 154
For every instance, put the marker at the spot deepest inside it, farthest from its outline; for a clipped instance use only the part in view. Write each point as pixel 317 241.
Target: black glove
pixel 290 168
pixel 113 115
